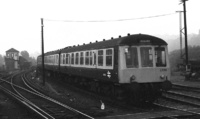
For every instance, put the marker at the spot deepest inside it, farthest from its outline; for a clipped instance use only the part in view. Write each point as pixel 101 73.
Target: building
pixel 12 59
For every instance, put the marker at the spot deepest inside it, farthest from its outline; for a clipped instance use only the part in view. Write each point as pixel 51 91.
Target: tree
pixel 25 55
pixel 33 61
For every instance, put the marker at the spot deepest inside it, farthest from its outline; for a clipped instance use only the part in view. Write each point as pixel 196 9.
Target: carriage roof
pixel 127 40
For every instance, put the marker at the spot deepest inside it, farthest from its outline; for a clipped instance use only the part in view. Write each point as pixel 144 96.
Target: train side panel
pixel 94 71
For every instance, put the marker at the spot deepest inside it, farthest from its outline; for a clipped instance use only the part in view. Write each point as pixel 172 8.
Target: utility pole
pixel 185 28
pixel 43 70
pixel 180 21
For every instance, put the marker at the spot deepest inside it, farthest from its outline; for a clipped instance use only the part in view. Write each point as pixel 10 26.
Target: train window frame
pixel 61 57
pixel 136 61
pixel 77 58
pixel 107 57
pixel 48 60
pixel 90 58
pixel 72 59
pixel 82 57
pixel 94 55
pixel 150 57
pixel 54 59
pixel 99 54
pixel 64 59
pixel 87 58
pixel 67 59
pixel 104 59
pixel 162 58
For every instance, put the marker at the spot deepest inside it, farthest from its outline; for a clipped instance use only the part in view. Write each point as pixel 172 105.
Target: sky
pixel 73 22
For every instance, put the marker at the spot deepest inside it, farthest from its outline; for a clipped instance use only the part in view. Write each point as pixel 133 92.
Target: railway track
pixel 170 112
pixel 182 98
pixel 155 111
pixel 43 106
pixel 184 94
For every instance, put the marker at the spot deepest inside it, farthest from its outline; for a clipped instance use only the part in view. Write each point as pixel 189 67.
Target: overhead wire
pixel 117 20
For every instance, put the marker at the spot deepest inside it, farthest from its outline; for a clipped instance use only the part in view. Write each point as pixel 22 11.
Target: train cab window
pixel 77 58
pixel 100 58
pixel 81 59
pixel 146 57
pixel 160 57
pixel 109 57
pixel 87 60
pixel 131 57
pixel 72 58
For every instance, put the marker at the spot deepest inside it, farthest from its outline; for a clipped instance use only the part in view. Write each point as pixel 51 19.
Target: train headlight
pixel 132 79
pixel 162 77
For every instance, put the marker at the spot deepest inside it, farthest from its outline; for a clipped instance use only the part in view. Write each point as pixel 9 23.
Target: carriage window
pixel 90 57
pixel 61 57
pixel 87 58
pixel 160 56
pixel 100 58
pixel 64 59
pixel 77 58
pixel 67 58
pixel 56 58
pixel 146 57
pixel 131 57
pixel 81 59
pixel 72 58
pixel 109 57
pixel 47 59
pixel 94 58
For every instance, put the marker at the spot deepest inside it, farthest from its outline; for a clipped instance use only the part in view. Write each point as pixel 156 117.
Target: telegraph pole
pixel 180 21
pixel 42 36
pixel 185 28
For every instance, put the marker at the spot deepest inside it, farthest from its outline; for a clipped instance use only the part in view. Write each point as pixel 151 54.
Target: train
pixel 133 67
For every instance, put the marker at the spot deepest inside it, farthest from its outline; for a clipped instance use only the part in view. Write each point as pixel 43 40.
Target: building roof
pixel 12 50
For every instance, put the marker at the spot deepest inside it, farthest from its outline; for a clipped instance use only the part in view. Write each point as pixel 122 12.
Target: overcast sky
pixel 68 22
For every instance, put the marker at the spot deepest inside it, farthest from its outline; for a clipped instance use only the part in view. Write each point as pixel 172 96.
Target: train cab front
pixel 145 68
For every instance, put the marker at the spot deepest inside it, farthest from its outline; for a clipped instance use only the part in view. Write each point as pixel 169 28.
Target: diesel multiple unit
pixel 135 67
